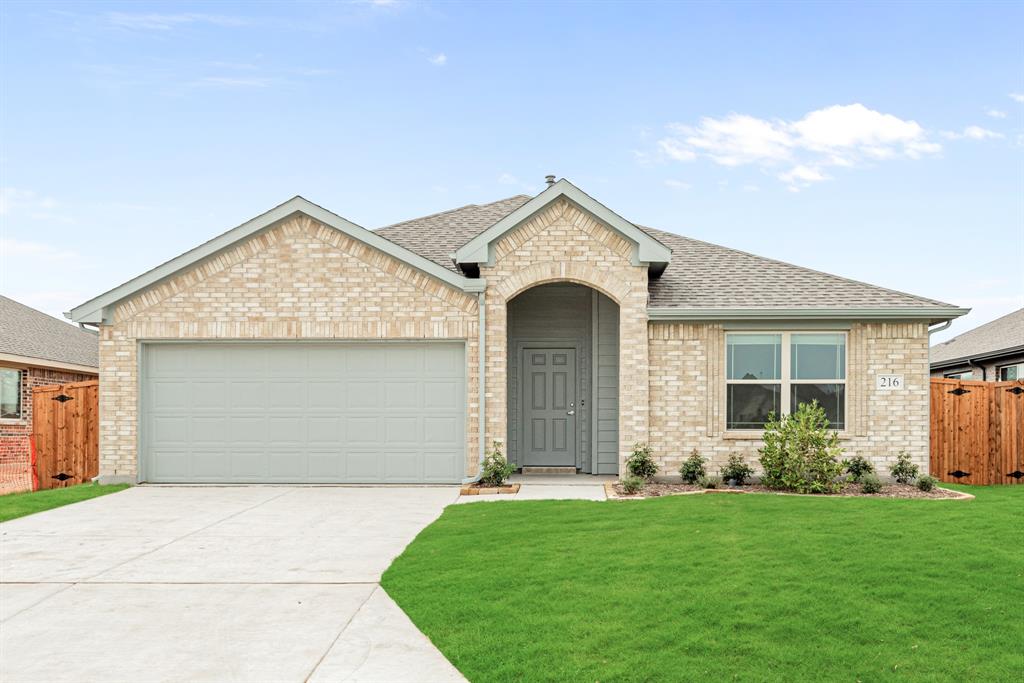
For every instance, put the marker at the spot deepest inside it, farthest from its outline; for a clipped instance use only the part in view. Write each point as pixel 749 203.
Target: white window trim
pixel 785 381
pixel 20 418
pixel 1000 368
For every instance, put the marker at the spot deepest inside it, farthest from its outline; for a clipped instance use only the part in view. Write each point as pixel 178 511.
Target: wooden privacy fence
pixel 977 431
pixel 65 426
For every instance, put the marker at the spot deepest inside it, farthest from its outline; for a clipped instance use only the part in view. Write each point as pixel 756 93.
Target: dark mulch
pixel 655 489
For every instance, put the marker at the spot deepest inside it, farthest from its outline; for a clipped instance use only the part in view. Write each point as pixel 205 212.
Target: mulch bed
pixel 657 489
pixel 479 489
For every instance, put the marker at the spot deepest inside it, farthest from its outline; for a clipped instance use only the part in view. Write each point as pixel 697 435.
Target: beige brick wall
pixel 298 280
pixel 564 244
pixel 688 395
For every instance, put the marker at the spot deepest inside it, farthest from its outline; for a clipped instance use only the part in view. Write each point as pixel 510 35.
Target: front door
pixel 549 407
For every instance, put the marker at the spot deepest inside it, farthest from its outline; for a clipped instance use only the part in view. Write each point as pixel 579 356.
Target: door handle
pixel 570 412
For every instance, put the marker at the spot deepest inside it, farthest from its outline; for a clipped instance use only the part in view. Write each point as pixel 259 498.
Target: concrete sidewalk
pixel 215 584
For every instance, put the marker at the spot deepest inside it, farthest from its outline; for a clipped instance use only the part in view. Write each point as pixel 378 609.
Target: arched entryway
pixel 563 378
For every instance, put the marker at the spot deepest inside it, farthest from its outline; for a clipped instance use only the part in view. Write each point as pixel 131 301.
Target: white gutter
pixel 935 313
pixel 481 385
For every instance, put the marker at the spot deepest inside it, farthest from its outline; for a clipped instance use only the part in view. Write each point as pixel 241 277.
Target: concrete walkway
pixel 550 487
pixel 254 583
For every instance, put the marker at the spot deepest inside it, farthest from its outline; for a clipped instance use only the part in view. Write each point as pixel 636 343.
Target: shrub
pixel 800 452
pixel 858 466
pixel 640 463
pixel 692 468
pixel 870 483
pixel 632 484
pixel 736 470
pixel 904 471
pixel 706 482
pixel 927 483
pixel 496 468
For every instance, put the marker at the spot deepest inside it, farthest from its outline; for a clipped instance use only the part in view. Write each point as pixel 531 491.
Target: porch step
pixel 549 470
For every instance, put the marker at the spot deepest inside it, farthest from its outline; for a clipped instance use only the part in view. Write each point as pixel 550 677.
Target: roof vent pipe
pixel 549 179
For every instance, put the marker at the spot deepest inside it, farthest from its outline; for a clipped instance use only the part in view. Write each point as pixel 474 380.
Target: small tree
pixel 904 471
pixel 800 452
pixel 640 462
pixel 692 470
pixel 496 468
pixel 736 470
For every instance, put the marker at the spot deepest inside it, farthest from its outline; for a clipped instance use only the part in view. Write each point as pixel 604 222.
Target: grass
pixel 15 505
pixel 716 587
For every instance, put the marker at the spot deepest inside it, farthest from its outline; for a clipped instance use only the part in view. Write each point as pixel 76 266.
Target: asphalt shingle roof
pixel 701 274
pixel 1000 334
pixel 27 332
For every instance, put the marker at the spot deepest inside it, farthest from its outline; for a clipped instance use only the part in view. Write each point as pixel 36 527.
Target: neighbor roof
pixel 1003 335
pixel 31 334
pixel 701 277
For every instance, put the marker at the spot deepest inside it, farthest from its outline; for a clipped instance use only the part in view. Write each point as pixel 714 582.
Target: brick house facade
pixel 300 275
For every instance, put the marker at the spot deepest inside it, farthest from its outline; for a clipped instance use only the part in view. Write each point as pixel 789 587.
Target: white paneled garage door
pixel 293 412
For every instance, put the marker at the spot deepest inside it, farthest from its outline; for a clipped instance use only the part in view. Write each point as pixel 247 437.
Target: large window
pixel 10 393
pixel 776 372
pixel 1009 372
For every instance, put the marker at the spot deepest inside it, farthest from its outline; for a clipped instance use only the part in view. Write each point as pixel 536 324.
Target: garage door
pixel 303 412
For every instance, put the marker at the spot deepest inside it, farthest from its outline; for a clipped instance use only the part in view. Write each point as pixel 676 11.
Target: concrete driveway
pixel 254 583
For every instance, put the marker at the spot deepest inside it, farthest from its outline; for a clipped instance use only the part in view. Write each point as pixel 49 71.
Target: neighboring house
pixel 299 347
pixel 35 350
pixel 994 351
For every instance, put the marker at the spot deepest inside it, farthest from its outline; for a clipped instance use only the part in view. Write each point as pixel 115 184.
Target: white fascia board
pixel 933 314
pixel 97 310
pixel 13 359
pixel 648 249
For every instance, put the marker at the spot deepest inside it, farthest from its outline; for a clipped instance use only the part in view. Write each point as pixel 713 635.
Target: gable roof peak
pixel 648 250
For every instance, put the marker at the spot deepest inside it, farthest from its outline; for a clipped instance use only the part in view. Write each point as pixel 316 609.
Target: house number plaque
pixel 889 382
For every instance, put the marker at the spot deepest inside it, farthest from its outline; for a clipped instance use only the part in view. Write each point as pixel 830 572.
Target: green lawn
pixel 15 505
pixel 720 587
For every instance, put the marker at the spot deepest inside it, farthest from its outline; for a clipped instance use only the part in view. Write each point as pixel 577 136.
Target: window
pixel 960 375
pixel 776 372
pixel 1010 372
pixel 10 393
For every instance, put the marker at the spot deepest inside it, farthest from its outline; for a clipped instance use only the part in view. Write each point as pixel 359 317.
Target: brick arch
pixel 550 271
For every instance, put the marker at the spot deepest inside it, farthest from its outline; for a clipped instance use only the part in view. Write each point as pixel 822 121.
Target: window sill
pixel 13 421
pixel 756 434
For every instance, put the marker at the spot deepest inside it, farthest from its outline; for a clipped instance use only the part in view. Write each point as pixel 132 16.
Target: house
pixel 994 351
pixel 300 347
pixel 35 350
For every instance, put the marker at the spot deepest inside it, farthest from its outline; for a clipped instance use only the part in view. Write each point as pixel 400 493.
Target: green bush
pixel 692 468
pixel 496 468
pixel 736 470
pixel 927 483
pixel 904 471
pixel 870 483
pixel 632 484
pixel 800 452
pixel 708 482
pixel 641 463
pixel 858 466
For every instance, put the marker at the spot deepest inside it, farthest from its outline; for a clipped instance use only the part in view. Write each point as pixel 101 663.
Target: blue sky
pixel 879 142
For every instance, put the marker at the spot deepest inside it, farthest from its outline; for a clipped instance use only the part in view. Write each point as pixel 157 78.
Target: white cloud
pixel 751 188
pixel 233 82
pixel 972 133
pixel 677 185
pixel 838 135
pixel 509 179
pixel 440 59
pixel 167 22
pixel 38 251
pixel 1017 97
pixel 27 204
pixel 996 113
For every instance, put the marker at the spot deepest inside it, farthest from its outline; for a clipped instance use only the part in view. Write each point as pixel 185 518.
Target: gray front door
pixel 549 407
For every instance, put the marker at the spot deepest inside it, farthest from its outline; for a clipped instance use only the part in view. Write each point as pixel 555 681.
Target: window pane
pixel 960 375
pixel 754 356
pixel 749 405
pixel 10 393
pixel 1011 372
pixel 831 397
pixel 818 356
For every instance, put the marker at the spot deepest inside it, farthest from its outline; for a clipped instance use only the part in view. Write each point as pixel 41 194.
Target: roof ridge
pixel 447 211
pixel 803 268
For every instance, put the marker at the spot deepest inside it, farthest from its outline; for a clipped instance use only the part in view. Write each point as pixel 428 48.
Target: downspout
pixel 481 388
pixel 970 362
